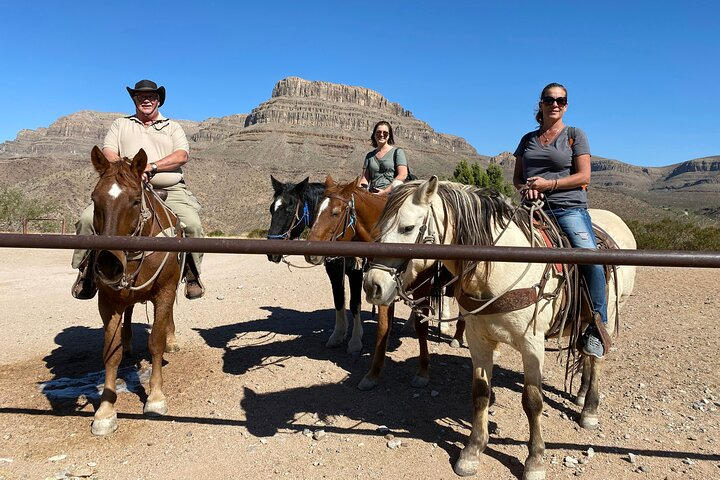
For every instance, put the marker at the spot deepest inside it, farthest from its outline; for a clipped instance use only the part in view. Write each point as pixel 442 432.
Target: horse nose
pixel 110 266
pixel 274 258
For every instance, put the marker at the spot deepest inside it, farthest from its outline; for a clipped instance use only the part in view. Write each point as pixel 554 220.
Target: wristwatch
pixel 153 168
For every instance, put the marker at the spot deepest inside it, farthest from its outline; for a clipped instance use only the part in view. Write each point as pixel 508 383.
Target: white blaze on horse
pixel 451 213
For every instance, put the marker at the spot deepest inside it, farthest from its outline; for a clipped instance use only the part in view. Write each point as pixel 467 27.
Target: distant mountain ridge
pixel 309 128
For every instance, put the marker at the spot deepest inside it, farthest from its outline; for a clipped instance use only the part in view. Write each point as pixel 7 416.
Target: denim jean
pixel 576 224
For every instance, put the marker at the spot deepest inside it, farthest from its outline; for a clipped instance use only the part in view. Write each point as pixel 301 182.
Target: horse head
pixel 413 214
pixel 346 212
pixel 117 200
pixel 289 212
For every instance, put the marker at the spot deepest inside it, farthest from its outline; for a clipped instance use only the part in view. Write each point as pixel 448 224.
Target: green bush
pixel 216 233
pixel 474 174
pixel 15 206
pixel 258 233
pixel 671 234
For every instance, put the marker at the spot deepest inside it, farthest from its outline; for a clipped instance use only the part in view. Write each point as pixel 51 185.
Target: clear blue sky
pixel 643 76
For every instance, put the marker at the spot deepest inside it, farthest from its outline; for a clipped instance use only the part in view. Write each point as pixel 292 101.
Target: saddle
pixel 576 296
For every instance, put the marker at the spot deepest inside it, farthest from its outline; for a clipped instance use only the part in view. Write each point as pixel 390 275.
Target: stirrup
pixel 84 287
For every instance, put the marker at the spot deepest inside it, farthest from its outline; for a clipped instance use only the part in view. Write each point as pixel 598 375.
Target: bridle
pixel 349 217
pixel 298 220
pixel 427 234
pixel 126 282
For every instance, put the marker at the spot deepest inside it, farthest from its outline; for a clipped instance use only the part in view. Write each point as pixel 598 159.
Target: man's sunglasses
pixel 561 101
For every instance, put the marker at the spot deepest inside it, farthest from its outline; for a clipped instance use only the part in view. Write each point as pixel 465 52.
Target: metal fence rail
pixel 658 258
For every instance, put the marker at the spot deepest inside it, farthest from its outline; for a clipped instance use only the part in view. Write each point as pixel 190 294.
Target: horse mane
pixel 481 211
pixel 121 172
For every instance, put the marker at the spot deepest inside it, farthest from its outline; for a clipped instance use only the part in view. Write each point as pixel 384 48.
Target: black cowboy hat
pixel 148 86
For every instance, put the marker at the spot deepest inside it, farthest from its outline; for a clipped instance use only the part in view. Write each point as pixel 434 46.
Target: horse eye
pixel 407 229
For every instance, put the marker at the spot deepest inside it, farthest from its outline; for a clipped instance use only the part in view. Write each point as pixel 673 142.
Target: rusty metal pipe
pixel 659 258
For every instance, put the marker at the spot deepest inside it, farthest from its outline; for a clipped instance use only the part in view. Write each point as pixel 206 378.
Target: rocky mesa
pixel 312 128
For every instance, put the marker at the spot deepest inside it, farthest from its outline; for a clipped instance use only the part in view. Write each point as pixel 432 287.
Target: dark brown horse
pixel 125 207
pixel 349 212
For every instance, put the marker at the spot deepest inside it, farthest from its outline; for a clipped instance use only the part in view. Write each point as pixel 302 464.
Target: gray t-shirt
pixel 382 170
pixel 554 161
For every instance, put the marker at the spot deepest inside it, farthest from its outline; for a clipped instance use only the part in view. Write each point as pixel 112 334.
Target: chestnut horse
pixel 126 207
pixel 349 212
pixel 291 212
pixel 454 214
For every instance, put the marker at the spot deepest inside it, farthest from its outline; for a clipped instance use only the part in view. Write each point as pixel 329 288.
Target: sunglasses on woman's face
pixel 382 133
pixel 561 101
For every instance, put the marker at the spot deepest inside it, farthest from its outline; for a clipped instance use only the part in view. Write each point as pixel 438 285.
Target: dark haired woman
pixel 553 164
pixel 386 166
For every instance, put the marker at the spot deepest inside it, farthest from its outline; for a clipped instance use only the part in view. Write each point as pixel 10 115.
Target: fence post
pixel 25 226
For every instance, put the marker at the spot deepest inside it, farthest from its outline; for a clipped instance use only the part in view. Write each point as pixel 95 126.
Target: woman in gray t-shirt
pixel 553 164
pixel 385 166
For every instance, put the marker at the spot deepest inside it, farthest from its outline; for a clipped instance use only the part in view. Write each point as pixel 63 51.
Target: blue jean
pixel 576 224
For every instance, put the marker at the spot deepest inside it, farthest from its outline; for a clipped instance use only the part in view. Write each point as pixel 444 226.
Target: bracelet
pixel 554 186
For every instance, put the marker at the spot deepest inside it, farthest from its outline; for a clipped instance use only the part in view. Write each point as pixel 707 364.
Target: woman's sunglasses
pixel 561 101
pixel 381 133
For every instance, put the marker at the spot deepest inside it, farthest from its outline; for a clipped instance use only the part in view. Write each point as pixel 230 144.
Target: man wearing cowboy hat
pixel 167 149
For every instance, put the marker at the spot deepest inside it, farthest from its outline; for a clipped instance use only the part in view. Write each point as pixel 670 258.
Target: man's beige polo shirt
pixel 127 135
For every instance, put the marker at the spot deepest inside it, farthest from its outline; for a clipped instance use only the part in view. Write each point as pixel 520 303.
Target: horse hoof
pixel 155 409
pixel 534 475
pixel 104 426
pixel 589 421
pixel 367 384
pixel 580 401
pixel 334 341
pixel 172 348
pixel 466 468
pixel 354 348
pixel 455 343
pixel 419 381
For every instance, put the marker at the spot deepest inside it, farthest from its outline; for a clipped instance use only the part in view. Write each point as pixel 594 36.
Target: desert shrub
pixel 216 233
pixel 258 233
pixel 15 206
pixel 672 234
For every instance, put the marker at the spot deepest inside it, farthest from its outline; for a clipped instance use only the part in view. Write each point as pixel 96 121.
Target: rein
pixel 146 213
pixel 298 221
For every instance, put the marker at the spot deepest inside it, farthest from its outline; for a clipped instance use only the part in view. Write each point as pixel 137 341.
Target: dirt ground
pixel 254 392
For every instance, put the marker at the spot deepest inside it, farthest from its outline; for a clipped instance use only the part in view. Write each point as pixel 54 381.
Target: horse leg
pixel 126 334
pixel 105 419
pixel 589 416
pixel 385 318
pixel 337 281
pixel 422 377
pixel 355 278
pixel 584 381
pixel 481 350
pixel 458 339
pixel 156 404
pixel 444 313
pixel 532 401
pixel 171 343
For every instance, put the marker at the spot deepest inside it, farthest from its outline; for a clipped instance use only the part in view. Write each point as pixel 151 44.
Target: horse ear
pixel 329 182
pixel 300 187
pixel 139 162
pixel 99 161
pixel 277 186
pixel 426 191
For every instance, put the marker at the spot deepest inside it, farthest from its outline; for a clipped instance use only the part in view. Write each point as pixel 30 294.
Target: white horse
pixel 450 213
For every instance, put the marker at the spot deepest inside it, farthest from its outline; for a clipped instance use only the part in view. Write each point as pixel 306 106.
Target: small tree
pixel 474 174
